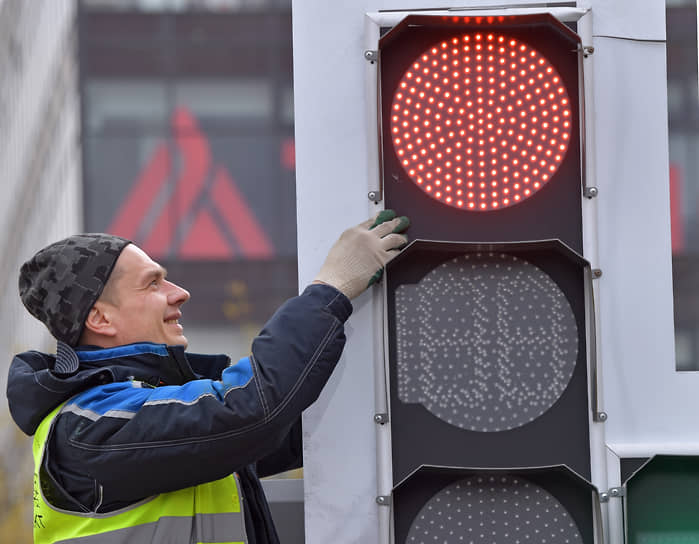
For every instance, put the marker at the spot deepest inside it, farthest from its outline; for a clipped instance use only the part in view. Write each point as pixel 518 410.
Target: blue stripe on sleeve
pixel 237 375
pixel 123 397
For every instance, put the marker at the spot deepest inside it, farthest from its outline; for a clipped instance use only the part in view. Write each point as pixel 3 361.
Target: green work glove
pixel 357 259
pixel 382 217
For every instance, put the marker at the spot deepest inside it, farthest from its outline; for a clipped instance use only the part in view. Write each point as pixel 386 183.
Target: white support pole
pixel 371 82
pixel 384 463
pixel 615 507
pixel 384 466
pixel 598 452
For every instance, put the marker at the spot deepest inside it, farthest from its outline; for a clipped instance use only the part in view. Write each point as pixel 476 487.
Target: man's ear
pixel 99 320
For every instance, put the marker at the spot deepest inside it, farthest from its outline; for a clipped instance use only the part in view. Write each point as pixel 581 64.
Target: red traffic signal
pixel 482 114
pixel 481 121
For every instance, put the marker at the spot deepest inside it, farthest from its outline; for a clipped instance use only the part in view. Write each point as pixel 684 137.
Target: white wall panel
pixel 647 400
pixel 331 173
pixel 634 19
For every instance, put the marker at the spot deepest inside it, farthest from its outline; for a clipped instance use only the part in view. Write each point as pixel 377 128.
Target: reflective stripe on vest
pixel 203 514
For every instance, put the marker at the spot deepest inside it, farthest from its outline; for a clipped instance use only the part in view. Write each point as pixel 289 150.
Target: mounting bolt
pixel 590 192
pixel 604 497
pixel 588 50
pixel 381 418
pixel 601 417
pixel 374 196
pixel 596 273
pixel 370 55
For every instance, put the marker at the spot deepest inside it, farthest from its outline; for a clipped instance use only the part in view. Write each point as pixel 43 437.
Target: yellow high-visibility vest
pixel 206 513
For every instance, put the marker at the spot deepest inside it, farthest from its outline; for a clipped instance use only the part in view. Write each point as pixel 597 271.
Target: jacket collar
pixel 34 388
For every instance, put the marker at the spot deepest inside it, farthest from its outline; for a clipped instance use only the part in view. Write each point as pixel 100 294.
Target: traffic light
pixel 487 311
pixel 441 504
pixel 661 499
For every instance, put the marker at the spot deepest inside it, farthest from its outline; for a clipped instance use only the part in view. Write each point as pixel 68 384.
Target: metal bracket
pixel 371 55
pixel 590 192
pixel 381 419
pixel 383 500
pixel 600 417
pixel 596 273
pixel 375 196
pixel 613 493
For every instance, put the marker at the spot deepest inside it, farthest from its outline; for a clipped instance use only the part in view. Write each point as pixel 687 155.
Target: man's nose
pixel 177 294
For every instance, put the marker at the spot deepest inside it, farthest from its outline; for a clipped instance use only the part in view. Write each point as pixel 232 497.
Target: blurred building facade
pixel 40 148
pixel 168 122
pixel 42 192
pixel 683 124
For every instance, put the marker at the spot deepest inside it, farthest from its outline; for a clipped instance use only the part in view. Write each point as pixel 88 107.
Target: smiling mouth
pixel 172 322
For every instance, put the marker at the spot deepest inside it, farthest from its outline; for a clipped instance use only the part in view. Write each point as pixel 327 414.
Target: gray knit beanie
pixel 60 284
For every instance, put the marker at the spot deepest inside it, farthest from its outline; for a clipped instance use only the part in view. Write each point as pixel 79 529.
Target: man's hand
pixel 358 257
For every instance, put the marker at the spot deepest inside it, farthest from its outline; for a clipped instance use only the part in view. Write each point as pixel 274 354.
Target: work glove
pixel 357 259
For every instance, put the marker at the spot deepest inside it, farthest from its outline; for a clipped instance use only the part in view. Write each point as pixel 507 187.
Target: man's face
pixel 145 307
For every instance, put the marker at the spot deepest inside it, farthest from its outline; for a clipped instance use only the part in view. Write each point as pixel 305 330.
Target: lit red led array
pixel 481 122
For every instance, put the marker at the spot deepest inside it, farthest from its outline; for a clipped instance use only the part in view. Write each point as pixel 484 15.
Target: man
pixel 136 440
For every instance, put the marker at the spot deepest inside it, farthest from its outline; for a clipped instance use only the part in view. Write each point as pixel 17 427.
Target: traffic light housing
pixel 487 311
pixel 487 354
pixel 441 504
pixel 481 127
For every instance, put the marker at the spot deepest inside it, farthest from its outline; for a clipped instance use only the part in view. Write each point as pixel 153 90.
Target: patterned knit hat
pixel 60 284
